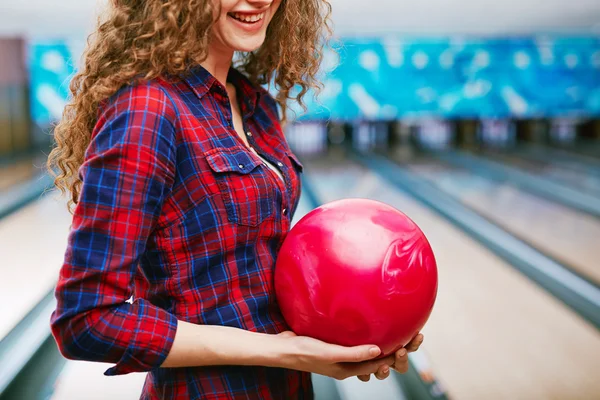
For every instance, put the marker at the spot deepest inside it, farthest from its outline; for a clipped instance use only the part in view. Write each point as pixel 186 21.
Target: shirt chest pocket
pixel 247 191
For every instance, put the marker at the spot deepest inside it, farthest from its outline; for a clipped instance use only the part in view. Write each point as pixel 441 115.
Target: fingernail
pixel 402 352
pixel 386 370
pixel 374 351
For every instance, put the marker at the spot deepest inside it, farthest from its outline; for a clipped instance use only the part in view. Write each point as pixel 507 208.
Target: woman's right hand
pixel 210 345
pixel 338 362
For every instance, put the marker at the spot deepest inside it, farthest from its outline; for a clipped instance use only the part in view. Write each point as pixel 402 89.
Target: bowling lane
pixel 589 148
pixel 32 245
pixel 562 157
pixel 493 334
pixel 575 175
pixel 86 380
pixel 566 234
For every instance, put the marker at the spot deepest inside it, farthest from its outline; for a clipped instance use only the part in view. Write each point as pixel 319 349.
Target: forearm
pixel 206 345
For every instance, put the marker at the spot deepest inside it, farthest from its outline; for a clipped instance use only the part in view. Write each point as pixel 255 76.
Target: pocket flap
pixel 231 160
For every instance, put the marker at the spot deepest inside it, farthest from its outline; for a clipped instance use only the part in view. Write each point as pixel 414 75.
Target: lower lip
pixel 248 27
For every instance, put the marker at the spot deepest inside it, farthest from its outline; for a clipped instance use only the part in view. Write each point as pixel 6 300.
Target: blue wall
pixel 51 65
pixel 453 78
pixel 396 77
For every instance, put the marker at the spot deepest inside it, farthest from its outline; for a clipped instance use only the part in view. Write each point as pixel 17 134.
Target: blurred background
pixel 478 119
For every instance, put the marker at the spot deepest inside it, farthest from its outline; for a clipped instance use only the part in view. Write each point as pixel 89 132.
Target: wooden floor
pixel 493 333
pixel 566 234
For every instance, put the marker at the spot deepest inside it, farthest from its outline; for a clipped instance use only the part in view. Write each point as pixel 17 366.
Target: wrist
pixel 242 347
pixel 274 351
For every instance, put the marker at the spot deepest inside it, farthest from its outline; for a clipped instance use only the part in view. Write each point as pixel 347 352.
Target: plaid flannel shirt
pixel 179 217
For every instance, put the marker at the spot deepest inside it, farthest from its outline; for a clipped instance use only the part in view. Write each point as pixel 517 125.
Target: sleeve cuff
pixel 152 341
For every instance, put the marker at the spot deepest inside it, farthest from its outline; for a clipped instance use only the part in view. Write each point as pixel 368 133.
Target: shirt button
pixel 249 133
pixel 285 211
pixel 280 164
pixel 241 166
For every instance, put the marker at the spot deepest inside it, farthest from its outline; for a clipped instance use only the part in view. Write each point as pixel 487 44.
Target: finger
pixel 368 367
pixel 401 355
pixel 357 354
pixel 383 372
pixel 402 368
pixel 401 362
pixel 415 343
pixel 364 378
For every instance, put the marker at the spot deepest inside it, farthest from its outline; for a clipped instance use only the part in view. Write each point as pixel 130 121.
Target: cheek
pixel 226 5
pixel 222 7
pixel 276 5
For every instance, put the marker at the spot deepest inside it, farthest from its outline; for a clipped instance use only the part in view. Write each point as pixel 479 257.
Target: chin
pixel 248 45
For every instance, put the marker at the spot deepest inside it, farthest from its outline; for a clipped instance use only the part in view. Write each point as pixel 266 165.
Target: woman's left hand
pixel 401 360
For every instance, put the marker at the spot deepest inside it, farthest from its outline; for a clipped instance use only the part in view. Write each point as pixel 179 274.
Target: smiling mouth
pixel 247 18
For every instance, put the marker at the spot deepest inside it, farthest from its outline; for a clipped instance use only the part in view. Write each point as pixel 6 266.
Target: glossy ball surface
pixel 355 272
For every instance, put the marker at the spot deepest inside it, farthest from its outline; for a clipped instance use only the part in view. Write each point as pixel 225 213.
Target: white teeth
pixel 248 18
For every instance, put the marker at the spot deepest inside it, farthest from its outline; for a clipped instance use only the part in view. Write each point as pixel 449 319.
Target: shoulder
pixel 137 116
pixel 151 98
pixel 267 97
pixel 269 104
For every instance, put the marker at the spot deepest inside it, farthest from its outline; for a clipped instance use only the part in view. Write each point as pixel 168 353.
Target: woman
pixel 183 189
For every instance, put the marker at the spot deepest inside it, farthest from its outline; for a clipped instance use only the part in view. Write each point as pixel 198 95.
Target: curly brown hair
pixel 145 39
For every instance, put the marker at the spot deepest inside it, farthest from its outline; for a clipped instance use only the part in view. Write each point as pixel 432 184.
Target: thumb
pixel 353 354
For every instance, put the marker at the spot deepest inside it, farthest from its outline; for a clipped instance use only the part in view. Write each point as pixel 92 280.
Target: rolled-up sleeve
pixel 128 170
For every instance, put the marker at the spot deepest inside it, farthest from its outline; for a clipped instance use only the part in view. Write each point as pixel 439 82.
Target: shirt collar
pixel 201 81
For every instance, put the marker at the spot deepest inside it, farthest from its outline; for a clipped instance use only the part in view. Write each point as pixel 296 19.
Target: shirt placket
pixel 283 185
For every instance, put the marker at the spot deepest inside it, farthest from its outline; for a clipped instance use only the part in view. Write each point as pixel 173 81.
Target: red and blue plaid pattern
pixel 178 215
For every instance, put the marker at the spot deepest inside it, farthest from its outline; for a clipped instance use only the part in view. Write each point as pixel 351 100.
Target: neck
pixel 218 63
